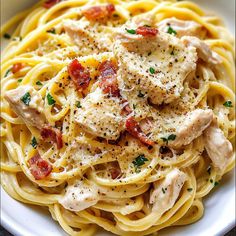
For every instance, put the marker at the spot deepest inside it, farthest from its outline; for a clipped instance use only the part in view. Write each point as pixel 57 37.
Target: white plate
pixel 219 217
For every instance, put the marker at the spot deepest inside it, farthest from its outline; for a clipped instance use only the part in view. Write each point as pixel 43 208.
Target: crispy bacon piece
pixel 126 110
pixel 16 67
pixel 80 76
pixel 146 31
pixel 53 134
pixel 39 168
pixel 50 3
pixel 99 12
pixel 108 82
pixel 134 129
pixel 115 172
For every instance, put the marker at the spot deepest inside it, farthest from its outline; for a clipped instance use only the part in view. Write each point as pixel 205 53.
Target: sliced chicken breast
pixel 153 67
pixel 79 196
pixel 218 147
pixel 167 191
pixel 100 115
pixel 85 36
pixel 192 127
pixel 26 102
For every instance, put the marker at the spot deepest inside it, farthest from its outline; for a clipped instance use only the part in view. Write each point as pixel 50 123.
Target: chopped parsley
pixel 7 36
pixel 50 99
pixel 139 161
pixel 163 190
pixel 190 189
pixel 7 72
pixel 170 137
pixel 39 83
pixel 131 31
pixel 78 104
pixel 140 94
pixel 134 106
pixel 151 70
pixel 19 80
pixel 216 183
pixel 26 99
pixel 52 31
pixel 211 180
pixel 34 142
pixel 228 104
pixel 171 31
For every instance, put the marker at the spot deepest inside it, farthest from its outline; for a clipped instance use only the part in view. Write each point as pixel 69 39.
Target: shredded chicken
pixel 203 50
pixel 192 127
pixel 218 147
pixel 31 111
pixel 167 191
pixel 181 27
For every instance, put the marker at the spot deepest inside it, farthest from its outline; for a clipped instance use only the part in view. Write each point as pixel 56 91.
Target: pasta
pixel 117 115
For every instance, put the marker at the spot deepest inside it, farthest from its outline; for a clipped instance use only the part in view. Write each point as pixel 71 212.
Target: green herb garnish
pixel 170 137
pixel 211 180
pixel 216 183
pixel 50 99
pixel 139 161
pixel 19 80
pixel 26 99
pixel 228 104
pixel 190 189
pixel 39 83
pixel 52 31
pixel 163 190
pixel 34 142
pixel 140 94
pixel 78 104
pixel 131 31
pixel 151 70
pixel 7 72
pixel 171 31
pixel 7 36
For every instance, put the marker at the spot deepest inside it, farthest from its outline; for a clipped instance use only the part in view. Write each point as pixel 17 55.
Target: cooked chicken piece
pixel 217 146
pixel 100 115
pixel 26 102
pixel 153 67
pixel 192 127
pixel 203 50
pixel 85 36
pixel 181 27
pixel 79 196
pixel 167 191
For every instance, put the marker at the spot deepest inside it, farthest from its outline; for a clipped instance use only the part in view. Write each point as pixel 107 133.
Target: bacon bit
pixel 108 82
pixel 16 67
pixel 39 168
pixel 126 110
pixel 134 129
pixel 52 133
pixel 99 12
pixel 115 172
pixel 79 75
pixel 146 31
pixel 50 3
